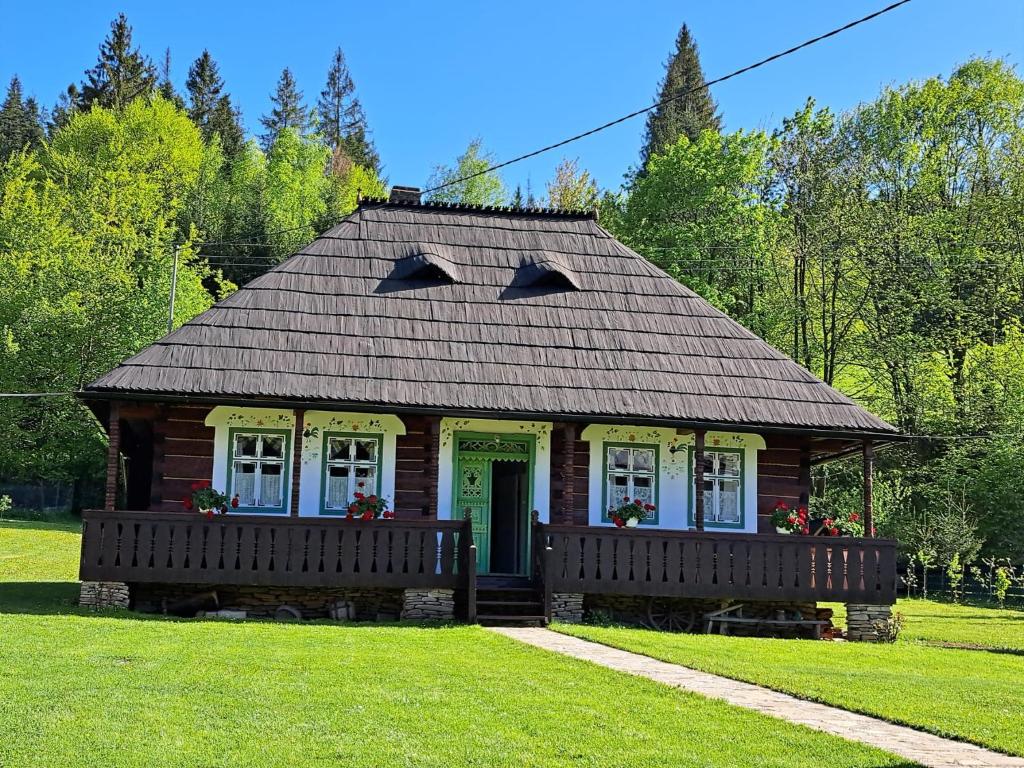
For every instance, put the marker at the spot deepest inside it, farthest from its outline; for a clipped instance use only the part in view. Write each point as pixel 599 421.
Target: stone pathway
pixel 924 748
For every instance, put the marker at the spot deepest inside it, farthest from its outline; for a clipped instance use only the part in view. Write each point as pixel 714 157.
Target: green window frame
pixel 630 474
pixel 352 468
pixel 260 464
pixel 714 481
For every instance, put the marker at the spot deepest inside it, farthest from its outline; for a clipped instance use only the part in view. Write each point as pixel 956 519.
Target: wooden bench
pixel 733 615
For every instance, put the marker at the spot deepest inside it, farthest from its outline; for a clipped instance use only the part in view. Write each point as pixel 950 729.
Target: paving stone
pixel 924 748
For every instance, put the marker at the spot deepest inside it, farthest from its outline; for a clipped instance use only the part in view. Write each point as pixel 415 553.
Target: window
pixel 630 470
pixel 723 488
pixel 348 461
pixel 258 469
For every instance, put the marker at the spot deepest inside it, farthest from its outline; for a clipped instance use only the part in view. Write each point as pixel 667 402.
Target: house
pixel 501 376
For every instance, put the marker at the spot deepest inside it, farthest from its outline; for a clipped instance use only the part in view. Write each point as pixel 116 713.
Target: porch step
pixel 509 601
pixel 525 620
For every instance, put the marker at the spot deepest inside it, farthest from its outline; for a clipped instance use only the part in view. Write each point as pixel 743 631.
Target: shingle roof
pixel 332 323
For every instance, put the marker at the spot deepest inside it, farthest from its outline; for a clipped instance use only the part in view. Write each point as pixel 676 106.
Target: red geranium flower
pixel 367 515
pixel 372 499
pixel 791 520
pixel 854 517
pixel 619 522
pixel 209 514
pixel 360 484
pixel 625 498
pixel 234 502
pixel 805 530
pixel 359 496
pixel 352 508
pixel 834 531
pixel 780 504
pixel 188 503
pixel 195 486
pixel 828 522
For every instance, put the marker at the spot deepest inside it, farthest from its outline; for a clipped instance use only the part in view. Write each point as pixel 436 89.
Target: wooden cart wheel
pixel 664 616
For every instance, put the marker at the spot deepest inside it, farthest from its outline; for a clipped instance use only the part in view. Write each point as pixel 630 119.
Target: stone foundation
pixel 104 594
pixel 428 604
pixel 862 620
pixel 567 607
pixel 263 602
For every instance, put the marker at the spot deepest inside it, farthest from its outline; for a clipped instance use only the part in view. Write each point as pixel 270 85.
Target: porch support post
pixel 869 473
pixel 433 457
pixel 698 479
pixel 113 455
pixel 300 417
pixel 568 473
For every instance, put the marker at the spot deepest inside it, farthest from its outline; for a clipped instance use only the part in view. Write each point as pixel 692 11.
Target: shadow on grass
pixel 70 524
pixel 38 597
pixel 57 598
pixel 971 647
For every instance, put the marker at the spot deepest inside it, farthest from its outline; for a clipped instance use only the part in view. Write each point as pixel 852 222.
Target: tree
pixel 166 87
pixel 288 111
pixel 572 189
pixel 122 73
pixel 226 124
pixel 469 182
pixel 204 85
pixel 680 115
pixel 20 123
pixel 86 230
pixel 701 213
pixel 342 121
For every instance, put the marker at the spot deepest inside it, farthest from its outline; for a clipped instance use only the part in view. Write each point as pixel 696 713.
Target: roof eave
pixel 419 410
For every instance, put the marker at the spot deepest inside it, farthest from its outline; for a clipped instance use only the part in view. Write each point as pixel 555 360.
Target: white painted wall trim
pixel 315 423
pixel 541 430
pixel 674 474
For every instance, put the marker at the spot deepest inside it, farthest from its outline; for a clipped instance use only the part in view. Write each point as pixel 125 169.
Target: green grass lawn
pixel 116 690
pixel 973 695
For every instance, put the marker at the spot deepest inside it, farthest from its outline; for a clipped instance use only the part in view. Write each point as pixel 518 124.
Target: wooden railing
pixel 262 550
pixel 717 565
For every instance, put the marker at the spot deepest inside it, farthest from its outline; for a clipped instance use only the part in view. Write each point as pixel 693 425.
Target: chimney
pixel 408 195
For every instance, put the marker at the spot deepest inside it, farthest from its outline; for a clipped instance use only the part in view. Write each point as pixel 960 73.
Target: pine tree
pixel 342 120
pixel 20 124
pixel 688 115
pixel 63 110
pixel 288 110
pixel 121 74
pixel 517 201
pixel 166 87
pixel 204 86
pixel 226 122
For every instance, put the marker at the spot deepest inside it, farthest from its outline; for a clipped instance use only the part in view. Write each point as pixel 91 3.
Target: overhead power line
pixel 676 97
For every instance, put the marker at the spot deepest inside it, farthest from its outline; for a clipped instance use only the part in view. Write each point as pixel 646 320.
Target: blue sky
pixel 432 76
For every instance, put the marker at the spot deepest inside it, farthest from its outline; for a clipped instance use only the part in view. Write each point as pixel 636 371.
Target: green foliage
pixel 700 214
pixel 955 577
pixel 288 110
pixel 484 188
pixel 20 124
pixel 86 232
pixel 342 121
pixel 687 116
pixel 572 189
pixel 121 74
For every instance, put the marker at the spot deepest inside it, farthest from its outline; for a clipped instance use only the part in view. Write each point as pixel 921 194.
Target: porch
pixel 319 553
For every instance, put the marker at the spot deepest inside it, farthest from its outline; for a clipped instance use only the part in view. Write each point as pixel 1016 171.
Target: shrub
pixel 889 629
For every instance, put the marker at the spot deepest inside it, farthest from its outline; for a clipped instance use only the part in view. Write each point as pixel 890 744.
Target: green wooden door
pixel 473 495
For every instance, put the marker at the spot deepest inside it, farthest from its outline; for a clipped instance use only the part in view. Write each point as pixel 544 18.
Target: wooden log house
pixel 502 377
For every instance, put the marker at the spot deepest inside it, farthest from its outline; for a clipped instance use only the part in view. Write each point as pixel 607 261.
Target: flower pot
pixel 632 522
pixel 782 530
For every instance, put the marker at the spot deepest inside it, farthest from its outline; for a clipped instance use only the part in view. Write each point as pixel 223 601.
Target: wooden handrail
pixel 271 550
pixel 705 564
